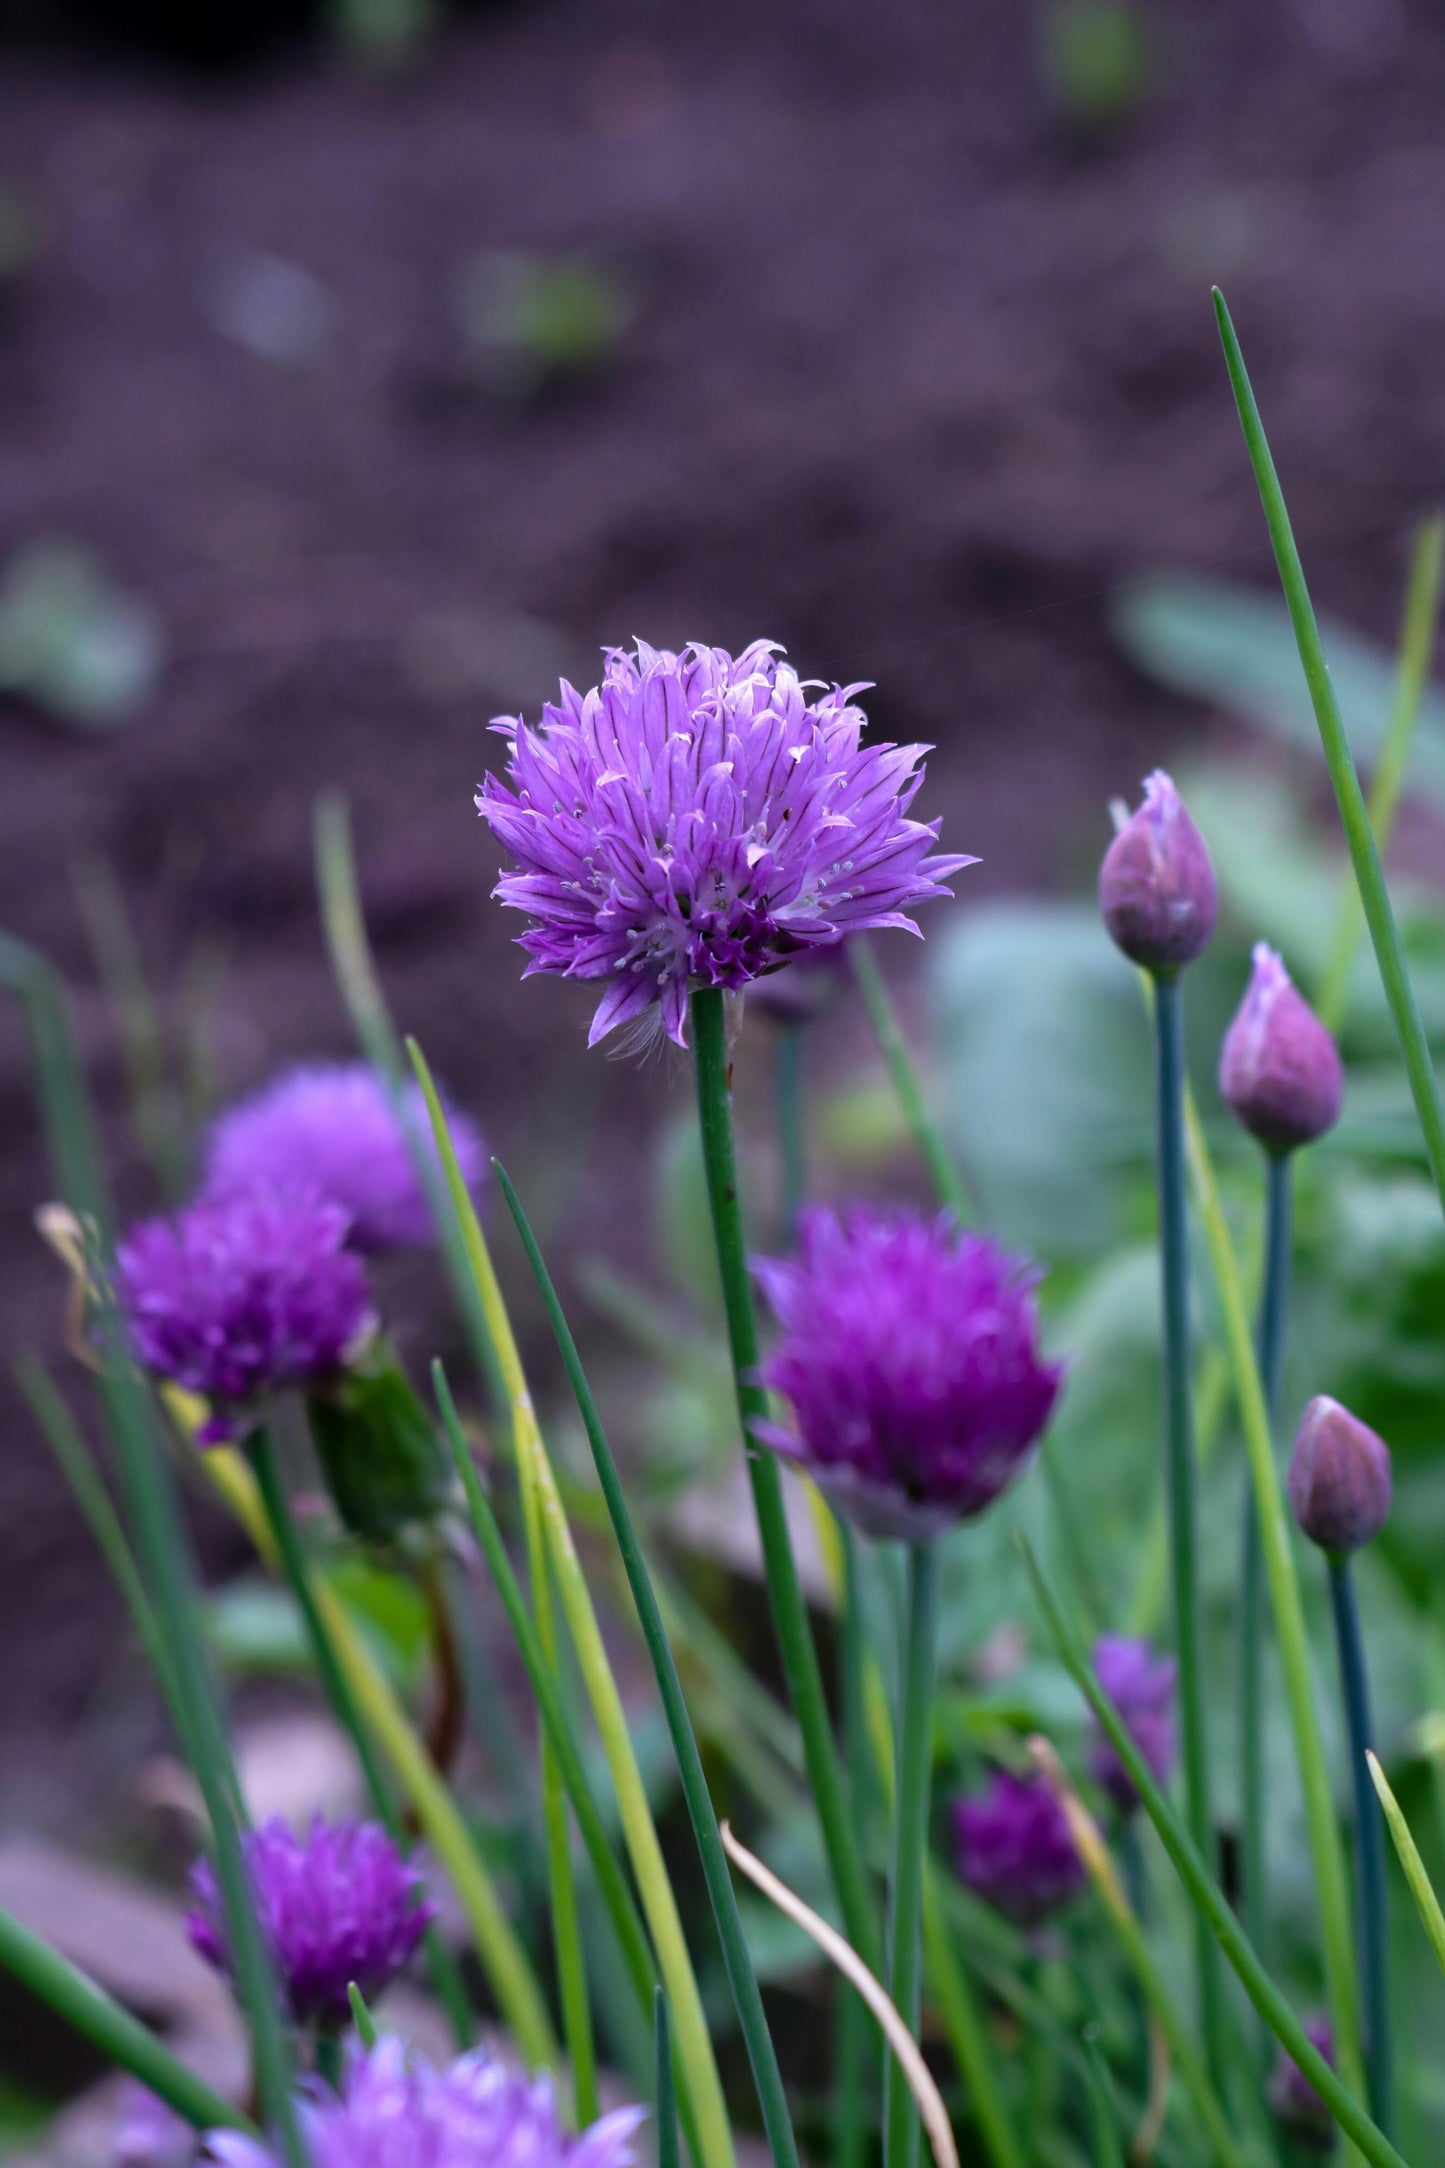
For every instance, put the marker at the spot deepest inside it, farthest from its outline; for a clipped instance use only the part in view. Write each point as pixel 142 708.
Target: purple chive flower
pixel 1013 1847
pixel 1280 1071
pixel 1156 885
pixel 332 1127
pixel 148 2134
pixel 1340 1481
pixel 1297 2107
pixel 336 1905
pixel 1141 1686
pixel 238 1296
pixel 696 820
pixel 394 2109
pixel 910 1358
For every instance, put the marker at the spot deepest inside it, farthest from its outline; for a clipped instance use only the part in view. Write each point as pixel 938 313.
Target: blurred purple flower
pixel 1141 1686
pixel 148 2134
pixel 241 1295
pixel 395 2109
pixel 1280 1071
pixel 336 1905
pixel 1014 1848
pixel 910 1359
pixel 1300 2112
pixel 332 1127
pixel 697 820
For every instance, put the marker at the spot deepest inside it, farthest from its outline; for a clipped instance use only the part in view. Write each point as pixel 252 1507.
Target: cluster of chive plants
pixel 699 835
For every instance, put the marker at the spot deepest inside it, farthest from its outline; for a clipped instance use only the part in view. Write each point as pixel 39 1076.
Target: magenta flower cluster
pixel 1014 1849
pixel 240 1295
pixel 337 1905
pixel 395 2109
pixel 909 1358
pixel 332 1127
pixel 1143 1688
pixel 696 820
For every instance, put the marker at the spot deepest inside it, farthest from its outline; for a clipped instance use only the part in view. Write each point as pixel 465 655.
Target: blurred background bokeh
pixel 367 364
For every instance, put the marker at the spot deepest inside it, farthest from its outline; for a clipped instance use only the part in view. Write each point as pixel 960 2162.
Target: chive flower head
pixel 1340 1481
pixel 333 1127
pixel 698 819
pixel 910 1359
pixel 1012 1845
pixel 1280 1071
pixel 395 2109
pixel 1157 889
pixel 336 1905
pixel 1141 1686
pixel 243 1295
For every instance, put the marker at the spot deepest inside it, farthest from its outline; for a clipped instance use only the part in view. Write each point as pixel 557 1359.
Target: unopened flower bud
pixel 1279 1068
pixel 1339 1478
pixel 1156 885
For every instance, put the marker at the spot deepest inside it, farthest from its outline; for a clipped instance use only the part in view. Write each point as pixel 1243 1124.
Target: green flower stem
pixel 1103 2106
pixel 1364 854
pixel 1205 1894
pixel 328 2059
pixel 1369 1847
pixel 1174 1261
pixel 927 1135
pixel 659 1901
pixel 571 1963
pixel 261 1452
pixel 110 2029
pixel 1417 638
pixel 1289 1621
pixel 790 1616
pixel 850 2018
pixel 1273 1308
pixel 664 2096
pixel 910 1843
pixel 162 1545
pixel 1432 1919
pixel 967 2034
pixel 545 1691
pixel 791 1062
pixel 742 1979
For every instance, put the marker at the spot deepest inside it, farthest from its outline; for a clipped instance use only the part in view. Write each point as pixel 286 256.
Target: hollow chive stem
pixel 1369 1847
pixel 1274 1304
pixel 790 1616
pixel 1174 1263
pixel 927 1135
pixel 737 1960
pixel 910 1842
pixel 851 2023
pixel 261 1453
pixel 1354 814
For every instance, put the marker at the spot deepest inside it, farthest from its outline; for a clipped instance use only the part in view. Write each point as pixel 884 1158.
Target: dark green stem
pixel 118 2036
pixel 1354 813
pixel 664 2092
pixel 1369 1848
pixel 261 1452
pixel 790 1616
pixel 1204 1891
pixel 851 2025
pixel 1274 1304
pixel 1174 1259
pixel 910 1842
pixel 328 2059
pixel 737 1960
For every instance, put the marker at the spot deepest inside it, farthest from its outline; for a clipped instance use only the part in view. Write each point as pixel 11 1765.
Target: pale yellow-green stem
pixel 689 2023
pixel 1421 1887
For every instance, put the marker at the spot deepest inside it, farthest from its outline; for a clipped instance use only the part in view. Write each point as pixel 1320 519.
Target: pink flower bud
pixel 1279 1069
pixel 1339 1478
pixel 1156 885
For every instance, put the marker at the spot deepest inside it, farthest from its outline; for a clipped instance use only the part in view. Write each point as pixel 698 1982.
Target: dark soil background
pixel 916 372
